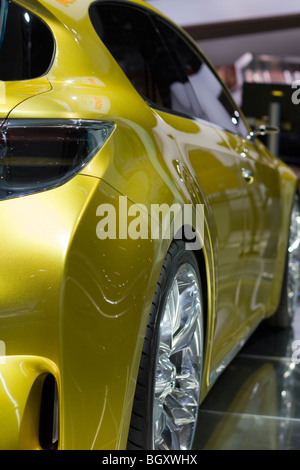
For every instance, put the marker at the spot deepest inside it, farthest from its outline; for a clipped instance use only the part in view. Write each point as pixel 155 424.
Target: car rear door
pixel 263 209
pixel 257 176
pixel 213 158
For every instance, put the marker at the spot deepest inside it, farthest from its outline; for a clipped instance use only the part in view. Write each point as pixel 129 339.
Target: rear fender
pixel 21 386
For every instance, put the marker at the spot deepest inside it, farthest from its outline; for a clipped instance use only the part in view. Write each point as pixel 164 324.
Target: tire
pixel 167 396
pixel 284 316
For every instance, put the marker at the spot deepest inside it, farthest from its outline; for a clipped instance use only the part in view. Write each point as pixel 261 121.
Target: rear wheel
pixel 167 394
pixel 284 316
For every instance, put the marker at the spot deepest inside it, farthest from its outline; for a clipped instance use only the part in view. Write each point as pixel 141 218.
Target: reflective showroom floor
pixel 255 404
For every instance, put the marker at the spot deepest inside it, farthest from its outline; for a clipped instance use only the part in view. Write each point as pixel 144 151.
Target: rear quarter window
pixel 26 43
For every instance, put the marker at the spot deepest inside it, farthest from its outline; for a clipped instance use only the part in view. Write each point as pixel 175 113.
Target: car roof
pixel 74 9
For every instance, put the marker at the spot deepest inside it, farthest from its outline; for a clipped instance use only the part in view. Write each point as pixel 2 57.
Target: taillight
pixel 36 155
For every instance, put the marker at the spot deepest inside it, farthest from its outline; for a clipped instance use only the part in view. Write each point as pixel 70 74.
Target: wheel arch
pixel 204 254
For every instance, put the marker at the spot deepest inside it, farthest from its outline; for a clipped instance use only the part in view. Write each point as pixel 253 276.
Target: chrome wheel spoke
pixel 165 375
pixel 169 437
pixel 178 364
pixel 181 407
pixel 184 337
pixel 189 382
pixel 175 307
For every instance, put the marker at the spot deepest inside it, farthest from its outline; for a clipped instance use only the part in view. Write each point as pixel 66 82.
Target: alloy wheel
pixel 178 363
pixel 293 271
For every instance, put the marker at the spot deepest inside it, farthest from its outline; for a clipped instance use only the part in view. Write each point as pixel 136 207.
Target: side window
pixel 133 40
pixel 215 105
pixel 26 43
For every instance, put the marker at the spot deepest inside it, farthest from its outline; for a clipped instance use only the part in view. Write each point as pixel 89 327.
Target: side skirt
pixel 229 357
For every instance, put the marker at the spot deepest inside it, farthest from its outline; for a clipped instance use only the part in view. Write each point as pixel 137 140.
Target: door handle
pixel 247 175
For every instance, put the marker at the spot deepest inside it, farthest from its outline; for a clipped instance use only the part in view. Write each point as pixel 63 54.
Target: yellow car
pixel 145 229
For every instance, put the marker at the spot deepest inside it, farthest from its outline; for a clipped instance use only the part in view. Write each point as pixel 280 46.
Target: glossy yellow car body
pixel 75 306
